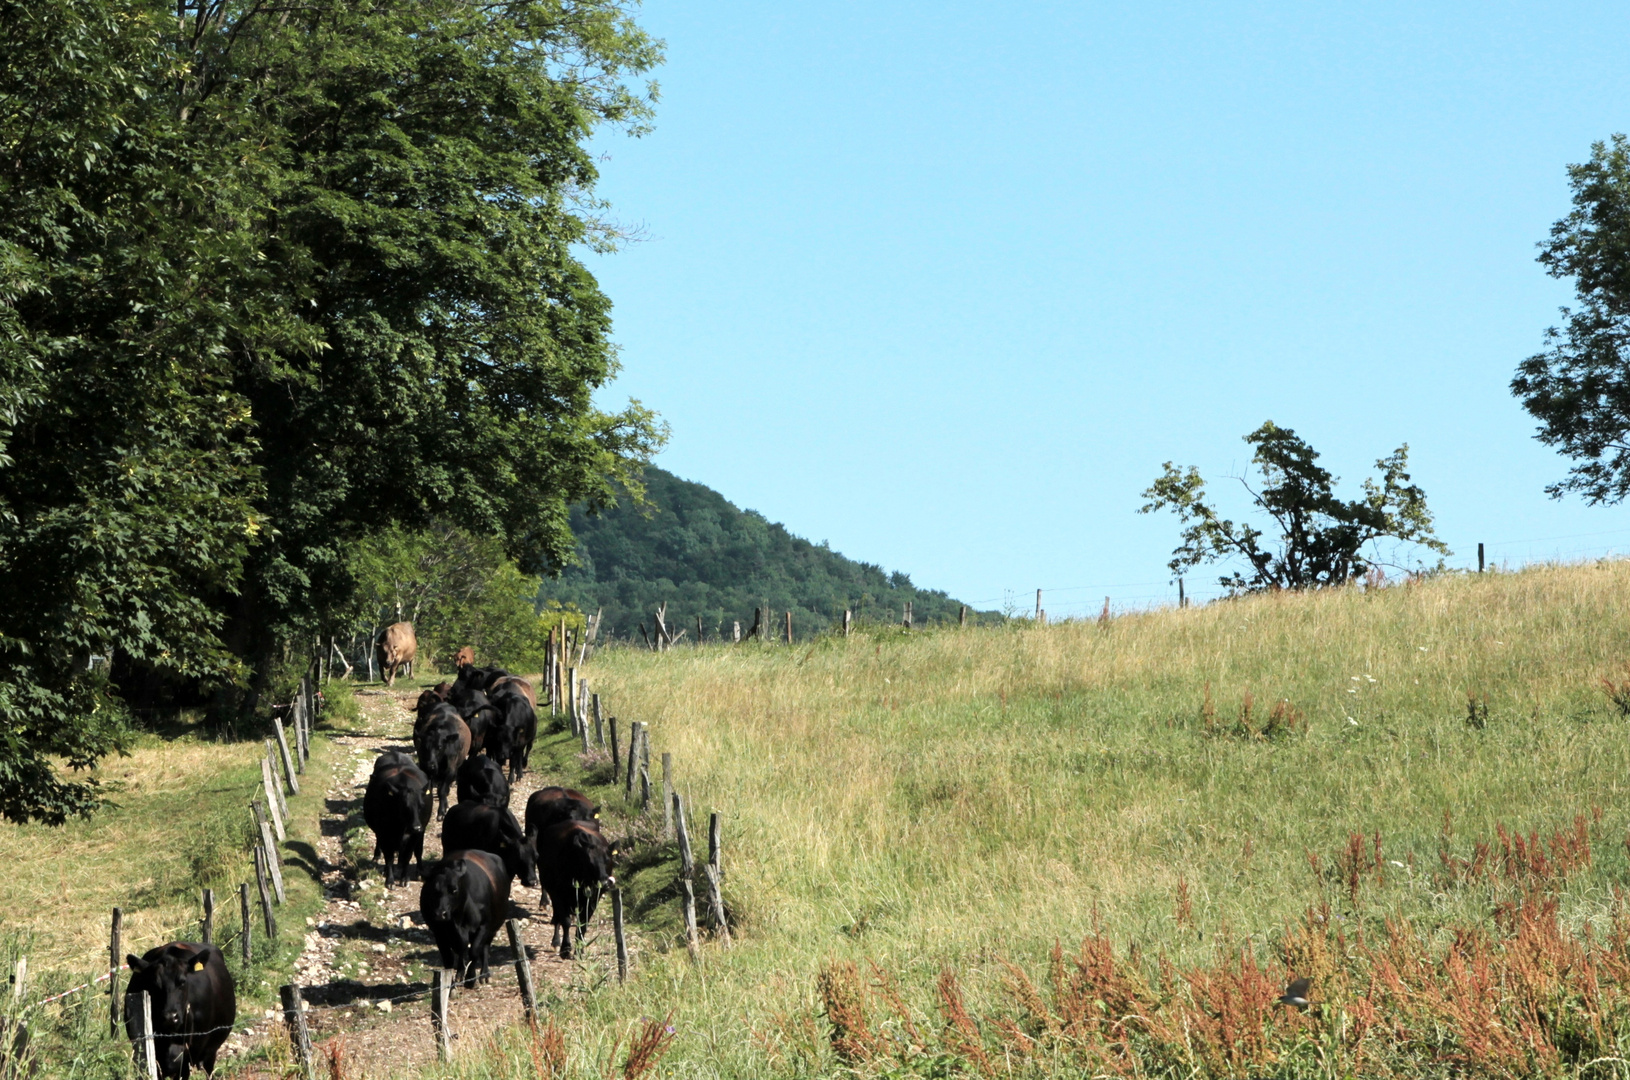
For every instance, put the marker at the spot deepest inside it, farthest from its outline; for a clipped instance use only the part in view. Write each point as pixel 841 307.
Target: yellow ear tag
pixel 198 966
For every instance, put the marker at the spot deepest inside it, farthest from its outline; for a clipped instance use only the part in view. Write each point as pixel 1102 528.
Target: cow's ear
pixel 134 962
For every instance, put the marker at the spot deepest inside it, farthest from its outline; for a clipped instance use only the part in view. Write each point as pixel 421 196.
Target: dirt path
pixel 365 969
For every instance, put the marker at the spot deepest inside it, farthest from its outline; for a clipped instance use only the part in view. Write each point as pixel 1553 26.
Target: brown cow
pixel 397 648
pixel 465 655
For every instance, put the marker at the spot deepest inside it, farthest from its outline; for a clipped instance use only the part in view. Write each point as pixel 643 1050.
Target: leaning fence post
pixel 113 973
pixel 571 698
pixel 243 915
pixel 687 893
pixel 265 894
pixel 599 728
pixel 523 969
pixel 616 751
pixel 209 916
pixel 288 759
pixel 687 864
pixel 583 720
pixel 147 1035
pixel 273 863
pixel 667 795
pixel 271 770
pixel 715 903
pixel 441 989
pixel 270 786
pixel 294 1014
pixel 617 932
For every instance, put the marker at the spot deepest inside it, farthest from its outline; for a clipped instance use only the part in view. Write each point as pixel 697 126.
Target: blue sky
pixel 945 284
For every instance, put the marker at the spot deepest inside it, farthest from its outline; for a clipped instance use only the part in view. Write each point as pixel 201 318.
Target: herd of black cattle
pixel 464 732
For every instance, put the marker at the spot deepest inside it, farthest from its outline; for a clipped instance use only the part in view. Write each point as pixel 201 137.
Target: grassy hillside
pixel 943 802
pixel 703 556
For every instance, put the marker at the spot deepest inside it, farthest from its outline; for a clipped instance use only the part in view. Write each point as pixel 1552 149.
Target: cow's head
pixel 167 976
pixel 444 892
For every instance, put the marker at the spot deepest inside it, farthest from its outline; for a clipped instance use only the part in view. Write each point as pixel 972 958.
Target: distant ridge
pixel 704 556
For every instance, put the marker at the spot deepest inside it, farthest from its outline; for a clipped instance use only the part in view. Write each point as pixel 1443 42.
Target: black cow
pixel 193 1001
pixel 474 827
pixel 472 679
pixel 510 740
pixel 481 717
pixel 574 867
pixel 480 780
pixel 465 900
pixel 549 805
pixel 396 807
pixel 443 743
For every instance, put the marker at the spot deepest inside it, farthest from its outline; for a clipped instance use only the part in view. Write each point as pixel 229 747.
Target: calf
pixel 193 1001
pixel 474 827
pixel 464 901
pixel 549 805
pixel 464 657
pixel 510 740
pixel 574 866
pixel 443 743
pixel 480 780
pixel 396 807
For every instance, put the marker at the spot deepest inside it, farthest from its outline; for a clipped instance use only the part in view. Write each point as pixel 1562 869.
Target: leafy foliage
pixel 273 280
pixel 1579 388
pixel 694 550
pixel 1321 537
pixel 456 588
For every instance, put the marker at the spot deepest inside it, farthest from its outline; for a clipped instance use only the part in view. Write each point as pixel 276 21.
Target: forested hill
pixel 703 556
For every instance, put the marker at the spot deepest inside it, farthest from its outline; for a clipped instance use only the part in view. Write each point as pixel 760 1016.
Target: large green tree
pixel 1579 387
pixel 274 279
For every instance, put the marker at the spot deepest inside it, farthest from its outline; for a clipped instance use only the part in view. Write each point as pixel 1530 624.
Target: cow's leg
pixel 441 797
pixel 563 918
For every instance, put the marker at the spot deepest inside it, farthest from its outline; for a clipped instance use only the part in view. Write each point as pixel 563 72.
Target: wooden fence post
pixel 270 785
pixel 243 914
pixel 147 1035
pixel 962 616
pixel 113 973
pixel 209 916
pixel 698 631
pixel 288 759
pixel 274 864
pixel 687 893
pixel 523 969
pixel 789 627
pixel 571 698
pixel 714 873
pixel 616 751
pixel 294 1015
pixel 645 775
pixel 687 864
pixel 633 758
pixel 735 631
pixel 617 932
pixel 907 620
pixel 1038 606
pixel 265 894
pixel 667 795
pixel 277 786
pixel 441 990
pixel 1479 557
pixel 599 727
pixel 1182 601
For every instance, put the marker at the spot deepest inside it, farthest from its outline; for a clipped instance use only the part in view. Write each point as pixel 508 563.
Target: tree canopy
pixel 273 280
pixel 1321 538
pixel 1579 387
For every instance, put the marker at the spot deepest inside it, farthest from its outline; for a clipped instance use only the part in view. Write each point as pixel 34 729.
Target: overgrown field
pixel 1416 796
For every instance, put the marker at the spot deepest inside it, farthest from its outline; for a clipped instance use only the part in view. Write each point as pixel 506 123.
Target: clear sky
pixel 944 284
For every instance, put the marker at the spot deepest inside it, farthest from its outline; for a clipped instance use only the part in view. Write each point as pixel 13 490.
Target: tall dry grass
pixel 944 804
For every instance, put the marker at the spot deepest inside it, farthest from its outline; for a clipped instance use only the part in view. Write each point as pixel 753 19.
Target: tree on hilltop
pixel 1579 387
pixel 1321 538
